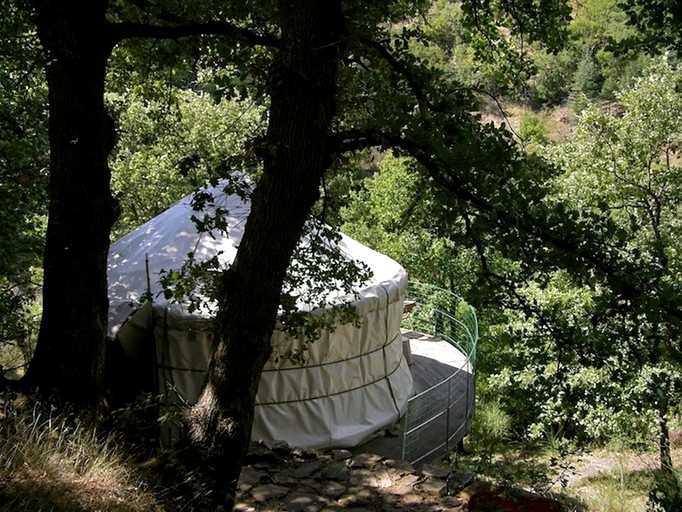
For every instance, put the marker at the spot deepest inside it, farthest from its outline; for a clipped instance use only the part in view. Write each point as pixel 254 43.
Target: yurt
pixel 354 380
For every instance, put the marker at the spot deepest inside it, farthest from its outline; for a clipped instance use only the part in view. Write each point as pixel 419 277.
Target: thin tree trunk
pixel 69 356
pixel 303 100
pixel 664 439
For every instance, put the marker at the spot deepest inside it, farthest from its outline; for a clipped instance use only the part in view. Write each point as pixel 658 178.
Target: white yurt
pixel 354 381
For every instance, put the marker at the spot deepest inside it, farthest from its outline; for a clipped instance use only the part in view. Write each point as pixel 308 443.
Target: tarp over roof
pixel 136 260
pixel 355 380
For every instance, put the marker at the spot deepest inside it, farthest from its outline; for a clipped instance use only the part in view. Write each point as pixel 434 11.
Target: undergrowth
pixel 55 462
pixel 585 479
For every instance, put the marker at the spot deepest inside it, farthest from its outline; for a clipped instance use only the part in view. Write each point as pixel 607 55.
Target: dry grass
pixel 599 480
pixel 50 463
pixel 616 480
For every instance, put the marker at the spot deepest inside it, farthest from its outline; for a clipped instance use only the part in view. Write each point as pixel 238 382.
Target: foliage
pixel 575 267
pixel 532 131
pixel 666 495
pixel 657 24
pixel 595 339
pixel 490 53
pixel 550 84
pixel 610 346
pixel 624 167
pixel 595 61
pixel 598 28
pixel 392 214
pixel 320 286
pixel 170 146
pixel 501 56
pixel 572 267
pixel 587 79
pixel 491 428
pixel 23 183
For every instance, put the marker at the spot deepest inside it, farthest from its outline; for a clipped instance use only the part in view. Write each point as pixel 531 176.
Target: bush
pixel 491 425
pixel 532 130
pixel 666 495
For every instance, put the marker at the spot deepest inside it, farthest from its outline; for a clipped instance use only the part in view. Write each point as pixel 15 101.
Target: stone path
pixel 276 478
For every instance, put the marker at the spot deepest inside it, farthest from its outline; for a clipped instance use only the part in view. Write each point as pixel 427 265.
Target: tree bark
pixel 303 99
pixel 665 455
pixel 69 356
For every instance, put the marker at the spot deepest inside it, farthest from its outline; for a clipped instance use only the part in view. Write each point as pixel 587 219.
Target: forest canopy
pixel 524 156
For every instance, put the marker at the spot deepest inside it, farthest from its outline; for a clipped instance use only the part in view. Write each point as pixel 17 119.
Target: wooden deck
pixel 434 361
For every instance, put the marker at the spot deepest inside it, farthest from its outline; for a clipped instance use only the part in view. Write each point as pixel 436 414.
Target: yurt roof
pixel 136 260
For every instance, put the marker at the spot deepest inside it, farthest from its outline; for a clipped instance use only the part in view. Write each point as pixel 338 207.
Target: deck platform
pixel 434 361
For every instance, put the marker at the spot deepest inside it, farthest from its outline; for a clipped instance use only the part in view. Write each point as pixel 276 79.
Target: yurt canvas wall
pixel 355 379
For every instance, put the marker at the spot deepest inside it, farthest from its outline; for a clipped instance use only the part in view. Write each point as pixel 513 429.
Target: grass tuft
pixel 54 462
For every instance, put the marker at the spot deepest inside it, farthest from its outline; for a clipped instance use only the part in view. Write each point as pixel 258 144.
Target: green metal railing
pixel 438 418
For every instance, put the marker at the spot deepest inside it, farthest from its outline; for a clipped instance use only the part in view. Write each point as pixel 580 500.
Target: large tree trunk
pixel 69 356
pixel 303 102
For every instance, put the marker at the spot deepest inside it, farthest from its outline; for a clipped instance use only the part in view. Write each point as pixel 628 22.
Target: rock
pixel 307 468
pixel 359 497
pixel 466 493
pixel 335 471
pixel 279 447
pixel 402 466
pixel 269 492
pixel 339 508
pixel 458 480
pixel 387 507
pixel 379 478
pixel 450 502
pixel 337 481
pixel 392 499
pixel 410 500
pixel 402 490
pixel 243 507
pixel 361 477
pixel 261 454
pixel 407 481
pixel 365 460
pixel 251 476
pixel 308 485
pixel 306 453
pixel 333 490
pixel 285 477
pixel 303 502
pixel 434 486
pixel 435 471
pixel 341 454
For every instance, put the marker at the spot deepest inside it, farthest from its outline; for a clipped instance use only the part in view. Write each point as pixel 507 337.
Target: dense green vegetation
pixel 574 344
pixel 564 234
pixel 23 179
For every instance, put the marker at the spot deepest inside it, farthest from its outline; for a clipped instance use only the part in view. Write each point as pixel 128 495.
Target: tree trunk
pixel 69 356
pixel 303 98
pixel 665 455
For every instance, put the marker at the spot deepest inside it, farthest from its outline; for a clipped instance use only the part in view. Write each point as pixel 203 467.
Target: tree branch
pixel 623 280
pixel 402 70
pixel 122 31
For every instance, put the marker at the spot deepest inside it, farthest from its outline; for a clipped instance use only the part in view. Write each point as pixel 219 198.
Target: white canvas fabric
pixel 355 379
